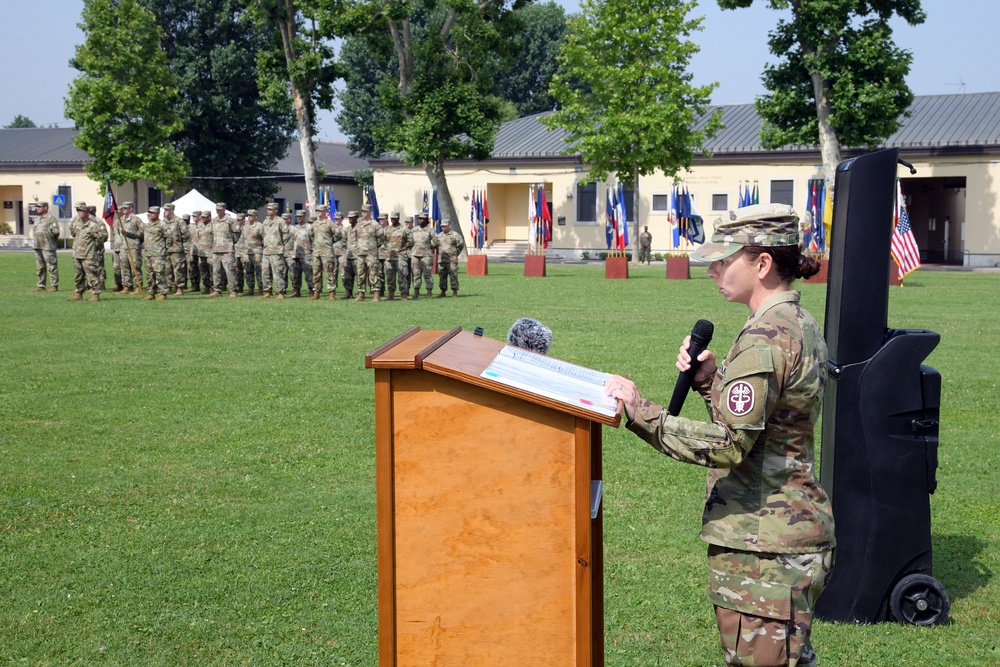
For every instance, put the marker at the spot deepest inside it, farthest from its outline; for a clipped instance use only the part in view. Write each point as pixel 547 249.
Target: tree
pixel 441 106
pixel 626 94
pixel 840 79
pixel 361 109
pixel 21 122
pixel 299 68
pixel 537 42
pixel 123 100
pixel 228 134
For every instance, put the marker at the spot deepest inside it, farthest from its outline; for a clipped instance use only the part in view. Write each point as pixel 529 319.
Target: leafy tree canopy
pixel 21 122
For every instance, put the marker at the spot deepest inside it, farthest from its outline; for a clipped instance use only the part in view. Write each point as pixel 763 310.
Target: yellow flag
pixel 828 217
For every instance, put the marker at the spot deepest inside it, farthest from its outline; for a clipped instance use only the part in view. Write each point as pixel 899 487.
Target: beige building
pixel 42 164
pixel 953 200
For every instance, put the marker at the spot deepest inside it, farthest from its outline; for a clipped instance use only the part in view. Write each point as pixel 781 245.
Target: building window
pixel 661 203
pixel 720 202
pixel 586 202
pixel 154 197
pixel 66 210
pixel 782 192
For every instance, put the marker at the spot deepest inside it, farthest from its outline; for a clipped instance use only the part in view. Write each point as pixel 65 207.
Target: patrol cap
pixel 286 216
pixel 352 214
pixel 43 203
pixel 322 207
pixel 186 216
pixel 220 204
pixel 446 221
pixel 395 215
pixel 760 225
pixel 82 206
pixel 338 216
pixel 365 207
pixel 272 205
pixel 299 212
pixel 408 218
pixel 422 216
pixel 241 215
pixel 251 211
pixel 198 213
pixel 168 206
pixel 127 204
pixel 154 209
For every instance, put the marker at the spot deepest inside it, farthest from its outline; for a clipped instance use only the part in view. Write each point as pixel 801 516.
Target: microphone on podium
pixel 531 335
pixel 701 336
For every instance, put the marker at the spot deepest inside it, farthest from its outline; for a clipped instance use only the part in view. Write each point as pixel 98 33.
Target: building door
pixel 936 207
pixel 19 216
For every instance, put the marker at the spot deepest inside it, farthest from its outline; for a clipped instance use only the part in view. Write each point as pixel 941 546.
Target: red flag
pixel 110 206
pixel 546 218
pixel 486 218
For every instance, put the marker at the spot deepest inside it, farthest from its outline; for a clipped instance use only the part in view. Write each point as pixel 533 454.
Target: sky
pixel 953 52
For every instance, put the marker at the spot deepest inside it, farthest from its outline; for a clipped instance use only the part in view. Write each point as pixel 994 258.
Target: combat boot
pixel 416 294
pixel 360 297
pixel 206 291
pixel 148 297
pixel 76 297
pixel 404 296
pixel 392 296
pixel 443 294
pixel 95 297
pixel 265 295
pixel 296 294
pixel 233 295
pixel 281 295
pixel 375 297
pixel 454 293
pixel 55 288
pixel 333 295
pixel 38 289
pixel 161 297
pixel 179 292
pixel 314 295
pixel 214 293
pixel 118 289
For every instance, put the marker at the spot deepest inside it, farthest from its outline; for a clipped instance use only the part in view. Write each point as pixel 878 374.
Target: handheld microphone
pixel 701 336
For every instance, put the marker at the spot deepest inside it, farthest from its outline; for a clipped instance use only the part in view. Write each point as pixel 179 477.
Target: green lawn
pixel 192 482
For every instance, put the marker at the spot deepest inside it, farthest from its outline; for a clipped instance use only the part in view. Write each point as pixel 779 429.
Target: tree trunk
pixel 435 172
pixel 303 116
pixel 636 208
pixel 829 141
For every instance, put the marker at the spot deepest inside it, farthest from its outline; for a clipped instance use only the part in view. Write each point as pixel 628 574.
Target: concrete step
pixel 15 242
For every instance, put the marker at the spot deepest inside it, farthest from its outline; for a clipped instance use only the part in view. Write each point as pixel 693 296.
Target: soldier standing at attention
pixel 253 237
pixel 240 252
pixel 46 236
pixel 450 246
pixel 645 245
pixel 225 231
pixel 301 264
pixel 131 252
pixel 383 253
pixel 194 269
pixel 177 246
pixel 422 256
pixel 203 238
pixel 102 270
pixel 275 235
pixel 325 234
pixel 398 240
pixel 768 522
pixel 404 257
pixel 367 236
pixel 88 243
pixel 155 237
pixel 345 255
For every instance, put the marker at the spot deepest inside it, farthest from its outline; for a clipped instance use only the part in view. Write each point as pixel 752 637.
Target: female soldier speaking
pixel 767 521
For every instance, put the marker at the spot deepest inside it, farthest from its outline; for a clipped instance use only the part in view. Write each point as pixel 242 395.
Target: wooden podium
pixel 489 518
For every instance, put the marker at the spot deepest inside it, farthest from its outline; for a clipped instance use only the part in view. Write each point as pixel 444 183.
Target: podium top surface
pixel 463 356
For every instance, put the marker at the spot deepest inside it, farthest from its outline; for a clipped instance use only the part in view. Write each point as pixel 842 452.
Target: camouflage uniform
pixel 225 231
pixel 398 240
pixel 130 254
pixel 155 237
pixel 767 520
pixel 203 242
pixel 240 251
pixel 404 259
pixel 345 255
pixel 194 267
pixel 645 245
pixel 177 246
pixel 422 258
pixel 383 253
pixel 275 236
pixel 301 262
pixel 325 235
pixel 253 238
pixel 88 240
pixel 46 236
pixel 450 246
pixel 366 237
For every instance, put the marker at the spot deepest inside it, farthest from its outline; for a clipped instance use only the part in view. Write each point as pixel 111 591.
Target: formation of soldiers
pixel 241 255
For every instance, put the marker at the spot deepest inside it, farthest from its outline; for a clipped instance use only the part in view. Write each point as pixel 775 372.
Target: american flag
pixel 904 245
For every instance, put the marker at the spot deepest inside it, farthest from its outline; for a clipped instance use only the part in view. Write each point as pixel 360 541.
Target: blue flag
pixel 436 212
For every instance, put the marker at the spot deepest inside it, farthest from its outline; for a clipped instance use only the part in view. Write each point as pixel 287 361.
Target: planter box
pixel 534 266
pixel 894 273
pixel 679 268
pixel 616 268
pixel 477 266
pixel 821 277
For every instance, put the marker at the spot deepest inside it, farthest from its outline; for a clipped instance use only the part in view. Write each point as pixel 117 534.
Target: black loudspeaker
pixel 880 418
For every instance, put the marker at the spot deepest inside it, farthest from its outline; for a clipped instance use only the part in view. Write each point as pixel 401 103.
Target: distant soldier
pixel 46 237
pixel 177 246
pixel 301 263
pixel 194 266
pixel 240 252
pixel 398 241
pixel 422 255
pixel 645 245
pixel 155 237
pixel 450 246
pixel 103 270
pixel 89 236
pixel 130 255
pixel 253 238
pixel 367 236
pixel 325 235
pixel 275 236
pixel 404 259
pixel 203 238
pixel 225 231
pixel 383 254
pixel 345 255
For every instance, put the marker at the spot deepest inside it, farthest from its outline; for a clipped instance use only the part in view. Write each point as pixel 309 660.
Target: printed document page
pixel 552 378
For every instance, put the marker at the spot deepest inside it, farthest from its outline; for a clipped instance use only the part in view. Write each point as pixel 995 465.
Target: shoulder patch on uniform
pixel 740 398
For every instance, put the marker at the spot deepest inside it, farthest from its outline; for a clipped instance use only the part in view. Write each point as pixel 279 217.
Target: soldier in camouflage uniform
pixel 225 231
pixel 301 263
pixel 203 242
pixel 645 245
pixel 345 256
pixel 130 253
pixel 253 237
pixel 404 258
pixel 89 236
pixel 366 237
pixel 450 246
pixel 422 255
pixel 240 252
pixel 767 520
pixel 325 235
pixel 275 234
pixel 383 253
pixel 46 237
pixel 194 267
pixel 101 263
pixel 155 237
pixel 398 241
pixel 177 247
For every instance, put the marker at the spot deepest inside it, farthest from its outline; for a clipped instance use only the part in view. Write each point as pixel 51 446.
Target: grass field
pixel 192 482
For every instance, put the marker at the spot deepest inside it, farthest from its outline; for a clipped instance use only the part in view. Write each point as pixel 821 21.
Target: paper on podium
pixel 552 378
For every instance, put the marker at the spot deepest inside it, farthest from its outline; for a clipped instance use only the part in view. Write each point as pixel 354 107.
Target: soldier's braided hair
pixel 788 260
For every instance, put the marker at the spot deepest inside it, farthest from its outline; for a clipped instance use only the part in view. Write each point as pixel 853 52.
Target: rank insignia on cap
pixel 740 398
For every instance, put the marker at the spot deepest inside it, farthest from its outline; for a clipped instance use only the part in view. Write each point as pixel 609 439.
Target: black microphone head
pixel 531 335
pixel 702 332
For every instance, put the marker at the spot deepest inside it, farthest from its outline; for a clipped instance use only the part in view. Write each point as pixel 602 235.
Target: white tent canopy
pixel 192 201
